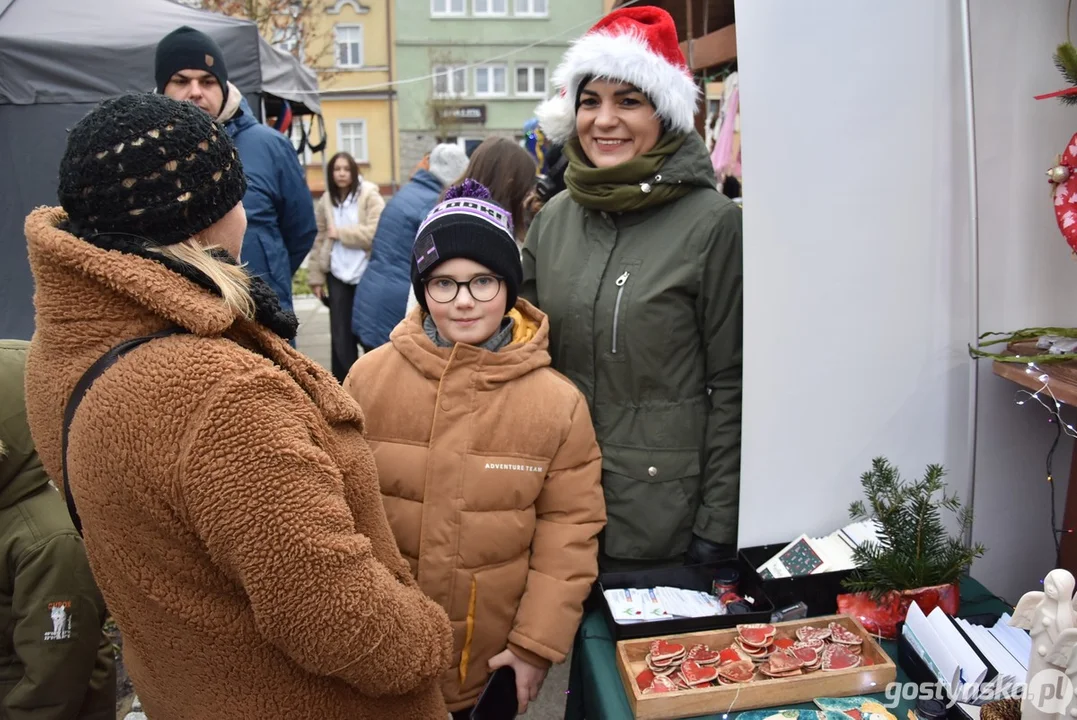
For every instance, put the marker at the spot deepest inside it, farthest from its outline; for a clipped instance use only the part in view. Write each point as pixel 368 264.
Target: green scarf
pixel 617 188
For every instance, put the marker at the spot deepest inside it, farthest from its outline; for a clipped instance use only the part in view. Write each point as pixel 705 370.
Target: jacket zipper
pixel 617 308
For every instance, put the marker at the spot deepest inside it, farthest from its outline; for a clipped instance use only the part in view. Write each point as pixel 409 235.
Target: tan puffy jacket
pixel 489 462
pixel 359 237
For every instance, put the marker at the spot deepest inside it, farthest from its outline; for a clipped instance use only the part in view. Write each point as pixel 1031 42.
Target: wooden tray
pixel 759 693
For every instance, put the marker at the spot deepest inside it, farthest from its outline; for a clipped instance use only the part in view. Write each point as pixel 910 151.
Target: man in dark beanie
pixel 190 66
pixel 280 212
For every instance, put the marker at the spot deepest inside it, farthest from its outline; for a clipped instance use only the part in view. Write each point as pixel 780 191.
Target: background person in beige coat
pixel 487 458
pixel 347 216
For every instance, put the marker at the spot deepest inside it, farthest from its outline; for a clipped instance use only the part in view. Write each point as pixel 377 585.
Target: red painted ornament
pixel 1064 178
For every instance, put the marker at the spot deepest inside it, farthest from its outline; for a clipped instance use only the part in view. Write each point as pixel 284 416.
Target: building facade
pixel 350 46
pixel 471 69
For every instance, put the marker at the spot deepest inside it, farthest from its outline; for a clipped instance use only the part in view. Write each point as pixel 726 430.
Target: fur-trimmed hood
pixel 175 292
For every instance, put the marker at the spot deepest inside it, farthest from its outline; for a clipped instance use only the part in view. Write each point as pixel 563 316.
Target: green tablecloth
pixel 597 693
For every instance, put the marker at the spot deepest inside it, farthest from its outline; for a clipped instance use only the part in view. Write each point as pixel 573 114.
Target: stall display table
pixel 596 691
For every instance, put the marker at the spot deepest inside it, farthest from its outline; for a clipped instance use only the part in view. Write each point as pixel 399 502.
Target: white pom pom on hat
pixel 636 45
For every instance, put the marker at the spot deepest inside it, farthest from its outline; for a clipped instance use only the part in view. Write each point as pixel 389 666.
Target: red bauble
pixel 1066 195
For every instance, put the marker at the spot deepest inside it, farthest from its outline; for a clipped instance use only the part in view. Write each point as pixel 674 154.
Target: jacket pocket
pixel 493 601
pixel 651 500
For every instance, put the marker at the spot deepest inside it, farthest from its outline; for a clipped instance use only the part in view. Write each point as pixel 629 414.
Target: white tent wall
pixel 858 260
pixel 1027 278
pixel 856 308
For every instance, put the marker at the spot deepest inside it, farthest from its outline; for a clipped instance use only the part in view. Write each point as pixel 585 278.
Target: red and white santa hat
pixel 636 45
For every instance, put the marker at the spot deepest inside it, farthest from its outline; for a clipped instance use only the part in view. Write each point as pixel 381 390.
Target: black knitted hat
pixel 467 224
pixel 188 49
pixel 151 166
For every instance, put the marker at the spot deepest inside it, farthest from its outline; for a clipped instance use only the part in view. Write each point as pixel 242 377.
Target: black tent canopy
pixel 58 59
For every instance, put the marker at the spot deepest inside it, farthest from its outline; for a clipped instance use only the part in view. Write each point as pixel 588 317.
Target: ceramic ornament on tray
pixel 1050 616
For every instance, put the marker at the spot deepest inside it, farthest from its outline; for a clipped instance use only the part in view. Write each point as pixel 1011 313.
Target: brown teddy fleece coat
pixel 230 503
pixel 491 474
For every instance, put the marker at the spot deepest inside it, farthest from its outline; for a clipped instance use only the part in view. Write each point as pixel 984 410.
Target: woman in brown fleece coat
pixel 487 457
pixel 229 502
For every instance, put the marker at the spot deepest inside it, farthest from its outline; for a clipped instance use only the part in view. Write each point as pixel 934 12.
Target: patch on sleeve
pixel 60 614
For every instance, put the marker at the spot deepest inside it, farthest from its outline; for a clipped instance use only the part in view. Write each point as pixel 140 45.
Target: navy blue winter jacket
pixel 382 295
pixel 279 207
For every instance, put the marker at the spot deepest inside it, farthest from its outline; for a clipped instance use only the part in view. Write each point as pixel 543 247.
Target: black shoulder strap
pixel 95 371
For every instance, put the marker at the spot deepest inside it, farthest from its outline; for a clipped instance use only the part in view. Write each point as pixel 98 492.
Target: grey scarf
pixel 499 340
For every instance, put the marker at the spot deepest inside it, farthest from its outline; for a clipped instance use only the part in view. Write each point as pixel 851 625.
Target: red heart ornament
pixel 662 650
pixel 811 634
pixel 704 655
pixel 837 657
pixel 661 685
pixel 806 654
pixel 840 635
pixel 729 655
pixel 740 671
pixel 696 674
pixel 782 662
pixel 1066 196
pixel 645 679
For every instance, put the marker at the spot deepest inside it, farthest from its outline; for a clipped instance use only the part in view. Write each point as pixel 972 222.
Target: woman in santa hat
pixel 638 267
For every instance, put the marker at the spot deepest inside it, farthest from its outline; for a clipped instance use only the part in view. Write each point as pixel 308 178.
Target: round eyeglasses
pixel 482 288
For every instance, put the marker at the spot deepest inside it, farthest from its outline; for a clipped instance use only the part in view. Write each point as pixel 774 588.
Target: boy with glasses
pixel 487 458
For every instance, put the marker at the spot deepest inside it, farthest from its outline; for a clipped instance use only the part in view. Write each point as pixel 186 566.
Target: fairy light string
pixel 1054 408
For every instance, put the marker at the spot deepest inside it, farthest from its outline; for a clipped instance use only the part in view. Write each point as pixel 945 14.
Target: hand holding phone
pixel 498 698
pixel 528 677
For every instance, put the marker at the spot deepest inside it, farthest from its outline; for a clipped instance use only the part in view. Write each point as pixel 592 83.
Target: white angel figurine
pixel 1046 615
pixel 1063 658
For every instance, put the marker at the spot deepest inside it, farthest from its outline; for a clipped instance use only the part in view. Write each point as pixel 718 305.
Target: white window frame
pixel 489 70
pixel 450 70
pixel 341 147
pixel 531 90
pixel 337 43
pixel 489 11
pixel 448 11
pixel 525 8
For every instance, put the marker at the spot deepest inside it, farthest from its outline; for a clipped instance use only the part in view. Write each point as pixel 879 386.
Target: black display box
pixel 819 592
pixel 688 577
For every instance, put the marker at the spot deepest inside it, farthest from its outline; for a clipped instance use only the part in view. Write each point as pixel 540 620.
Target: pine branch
pixel 1066 62
pixel 913 548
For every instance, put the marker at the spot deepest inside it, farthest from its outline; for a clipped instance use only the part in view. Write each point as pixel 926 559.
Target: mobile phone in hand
pixel 498 698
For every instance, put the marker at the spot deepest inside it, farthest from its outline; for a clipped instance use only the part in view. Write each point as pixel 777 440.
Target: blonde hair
pixel 231 280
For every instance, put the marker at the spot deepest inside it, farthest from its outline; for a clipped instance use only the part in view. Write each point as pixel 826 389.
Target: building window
pixel 447 8
pixel 491 80
pixel 532 8
pixel 489 7
pixel 349 46
pixel 351 138
pixel 450 81
pixel 531 80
